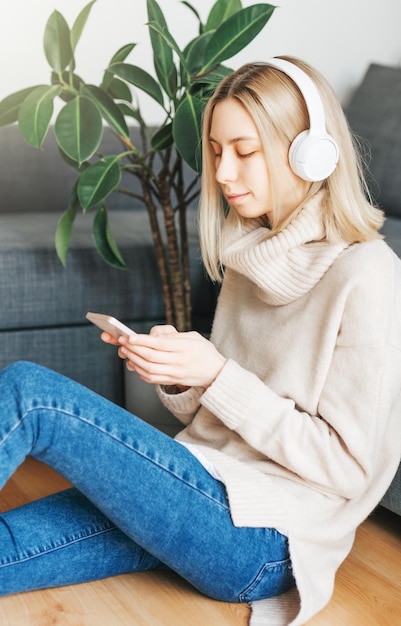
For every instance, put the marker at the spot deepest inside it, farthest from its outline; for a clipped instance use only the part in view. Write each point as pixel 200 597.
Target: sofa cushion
pixel 374 114
pixel 42 317
pixel 75 351
pixel 39 292
pixel 33 180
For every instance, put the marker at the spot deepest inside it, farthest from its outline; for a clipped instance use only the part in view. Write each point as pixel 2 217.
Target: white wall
pixel 340 38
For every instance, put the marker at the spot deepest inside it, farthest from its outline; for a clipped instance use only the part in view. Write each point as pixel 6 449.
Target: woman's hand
pixel 167 357
pixel 108 338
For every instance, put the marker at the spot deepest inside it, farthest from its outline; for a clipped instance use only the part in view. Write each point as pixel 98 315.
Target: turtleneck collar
pixel 287 265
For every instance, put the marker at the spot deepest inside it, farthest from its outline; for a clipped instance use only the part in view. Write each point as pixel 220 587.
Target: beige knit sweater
pixel 303 423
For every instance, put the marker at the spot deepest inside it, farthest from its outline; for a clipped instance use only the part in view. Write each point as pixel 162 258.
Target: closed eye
pixel 246 155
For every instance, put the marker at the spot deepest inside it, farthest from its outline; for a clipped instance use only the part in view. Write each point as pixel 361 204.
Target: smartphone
pixel 110 324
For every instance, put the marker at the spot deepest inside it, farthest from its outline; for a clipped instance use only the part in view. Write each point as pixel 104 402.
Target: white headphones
pixel 313 154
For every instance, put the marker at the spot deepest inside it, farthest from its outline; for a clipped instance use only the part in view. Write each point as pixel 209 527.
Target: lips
pixel 233 198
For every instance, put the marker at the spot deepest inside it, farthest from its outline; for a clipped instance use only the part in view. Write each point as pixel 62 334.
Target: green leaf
pixel 36 112
pixel 204 86
pixel 187 131
pixel 10 106
pixel 98 181
pixel 78 167
pixel 140 78
pixel 130 111
pixel 195 52
pixel 195 12
pixel 64 229
pixel 162 52
pixel 118 90
pixel 57 43
pixel 122 53
pixel 236 33
pixel 212 79
pixel 221 11
pixel 67 78
pixel 169 39
pixel 109 109
pixel 104 241
pixel 79 25
pixel 163 138
pixel 118 57
pixel 79 129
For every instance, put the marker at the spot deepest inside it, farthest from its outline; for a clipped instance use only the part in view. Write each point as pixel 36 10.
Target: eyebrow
pixel 236 139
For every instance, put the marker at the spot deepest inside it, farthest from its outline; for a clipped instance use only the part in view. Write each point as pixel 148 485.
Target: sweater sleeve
pixel 337 449
pixel 183 405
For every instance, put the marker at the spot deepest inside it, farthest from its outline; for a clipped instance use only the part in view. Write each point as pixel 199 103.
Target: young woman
pixel 292 409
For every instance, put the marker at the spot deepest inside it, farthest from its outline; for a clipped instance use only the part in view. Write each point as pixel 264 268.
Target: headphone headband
pixel 307 88
pixel 313 154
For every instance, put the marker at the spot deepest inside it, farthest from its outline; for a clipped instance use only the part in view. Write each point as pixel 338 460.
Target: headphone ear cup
pixel 313 155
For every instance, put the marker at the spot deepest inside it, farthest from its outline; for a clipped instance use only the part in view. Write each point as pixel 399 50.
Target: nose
pixel 226 169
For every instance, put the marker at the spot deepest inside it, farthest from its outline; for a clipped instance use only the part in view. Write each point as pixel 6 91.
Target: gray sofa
pixel 43 305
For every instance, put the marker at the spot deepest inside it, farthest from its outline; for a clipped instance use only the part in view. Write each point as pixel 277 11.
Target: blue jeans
pixel 140 500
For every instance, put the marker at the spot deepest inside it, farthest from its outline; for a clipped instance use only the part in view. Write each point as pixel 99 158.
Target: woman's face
pixel 241 169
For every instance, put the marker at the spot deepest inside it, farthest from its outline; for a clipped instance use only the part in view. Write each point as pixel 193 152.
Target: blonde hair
pixel 279 113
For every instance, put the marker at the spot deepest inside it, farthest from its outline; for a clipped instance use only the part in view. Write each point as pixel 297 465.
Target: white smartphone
pixel 110 324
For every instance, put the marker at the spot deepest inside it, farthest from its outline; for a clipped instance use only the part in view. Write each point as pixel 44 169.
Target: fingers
pixel 145 354
pixel 155 358
pixel 148 356
pixel 156 331
pixel 150 372
pixel 168 357
pixel 154 345
pixel 166 329
pixel 107 338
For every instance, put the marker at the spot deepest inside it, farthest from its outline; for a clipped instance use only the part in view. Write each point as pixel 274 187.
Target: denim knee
pixel 22 370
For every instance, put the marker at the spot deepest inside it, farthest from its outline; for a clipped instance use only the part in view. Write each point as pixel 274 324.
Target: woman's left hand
pixel 168 357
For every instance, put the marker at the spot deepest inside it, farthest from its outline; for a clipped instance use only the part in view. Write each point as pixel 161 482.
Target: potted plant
pixel 185 79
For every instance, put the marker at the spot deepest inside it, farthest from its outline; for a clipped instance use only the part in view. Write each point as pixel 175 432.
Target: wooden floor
pixel 367 593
